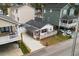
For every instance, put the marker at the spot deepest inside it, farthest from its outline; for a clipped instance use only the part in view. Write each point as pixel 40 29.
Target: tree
pixel 37 5
pixel 3 7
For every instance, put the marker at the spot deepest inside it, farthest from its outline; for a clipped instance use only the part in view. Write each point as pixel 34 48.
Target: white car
pixel 69 32
pixel 66 32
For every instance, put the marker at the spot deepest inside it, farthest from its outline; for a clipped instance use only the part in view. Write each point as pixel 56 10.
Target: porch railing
pixel 13 35
pixel 68 25
pixel 48 34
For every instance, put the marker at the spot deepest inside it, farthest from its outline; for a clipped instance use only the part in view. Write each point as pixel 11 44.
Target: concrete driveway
pixel 11 49
pixel 32 43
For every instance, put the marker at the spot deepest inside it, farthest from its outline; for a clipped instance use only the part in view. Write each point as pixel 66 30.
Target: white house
pixel 39 28
pixel 67 18
pixel 21 13
pixel 8 30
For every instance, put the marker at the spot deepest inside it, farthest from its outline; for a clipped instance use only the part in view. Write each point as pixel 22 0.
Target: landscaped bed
pixel 54 39
pixel 24 48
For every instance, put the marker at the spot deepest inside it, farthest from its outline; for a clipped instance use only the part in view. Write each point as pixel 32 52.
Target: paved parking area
pixel 11 49
pixel 32 43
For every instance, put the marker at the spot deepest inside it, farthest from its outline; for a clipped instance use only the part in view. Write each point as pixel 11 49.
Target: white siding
pixel 24 13
pixel 50 32
pixel 5 23
pixel 73 24
pixel 48 27
pixel 7 39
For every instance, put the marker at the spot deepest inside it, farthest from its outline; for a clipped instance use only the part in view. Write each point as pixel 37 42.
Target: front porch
pixel 8 39
pixel 48 34
pixel 8 34
pixel 68 25
pixel 39 35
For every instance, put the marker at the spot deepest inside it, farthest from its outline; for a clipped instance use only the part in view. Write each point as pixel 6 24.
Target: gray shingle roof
pixel 54 16
pixel 70 14
pixel 37 22
pixel 8 19
pixel 30 28
pixel 55 5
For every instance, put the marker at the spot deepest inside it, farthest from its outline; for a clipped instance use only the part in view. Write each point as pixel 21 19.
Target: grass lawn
pixel 54 39
pixel 24 48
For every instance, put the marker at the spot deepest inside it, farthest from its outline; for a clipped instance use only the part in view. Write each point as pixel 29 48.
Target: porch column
pixel 13 29
pixel 67 23
pixel 39 33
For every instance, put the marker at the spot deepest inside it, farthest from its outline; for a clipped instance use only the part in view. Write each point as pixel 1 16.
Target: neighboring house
pixel 39 28
pixel 68 20
pixel 21 13
pixel 61 15
pixel 8 30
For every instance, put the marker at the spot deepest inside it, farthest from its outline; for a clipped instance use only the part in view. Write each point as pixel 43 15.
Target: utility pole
pixel 75 39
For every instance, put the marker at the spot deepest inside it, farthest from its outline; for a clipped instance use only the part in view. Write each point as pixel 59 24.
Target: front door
pixel 37 34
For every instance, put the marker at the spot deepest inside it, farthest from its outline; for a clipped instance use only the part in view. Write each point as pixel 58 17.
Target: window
pixel 44 11
pixel 37 33
pixel 71 11
pixel 50 28
pixel 16 10
pixel 7 29
pixel 70 21
pixel 44 30
pixel 64 12
pixel 64 21
pixel 50 10
pixel 18 18
pixel 4 29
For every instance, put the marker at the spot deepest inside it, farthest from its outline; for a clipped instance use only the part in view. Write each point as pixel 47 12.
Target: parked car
pixel 66 32
pixel 69 32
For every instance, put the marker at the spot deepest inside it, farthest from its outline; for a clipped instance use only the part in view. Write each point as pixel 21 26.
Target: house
pixel 68 19
pixel 8 30
pixel 21 12
pixel 62 15
pixel 39 28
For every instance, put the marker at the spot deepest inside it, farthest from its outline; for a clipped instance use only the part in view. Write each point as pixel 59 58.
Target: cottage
pixel 21 13
pixel 39 28
pixel 8 30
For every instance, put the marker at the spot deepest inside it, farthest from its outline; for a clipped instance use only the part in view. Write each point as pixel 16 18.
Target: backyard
pixel 54 39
